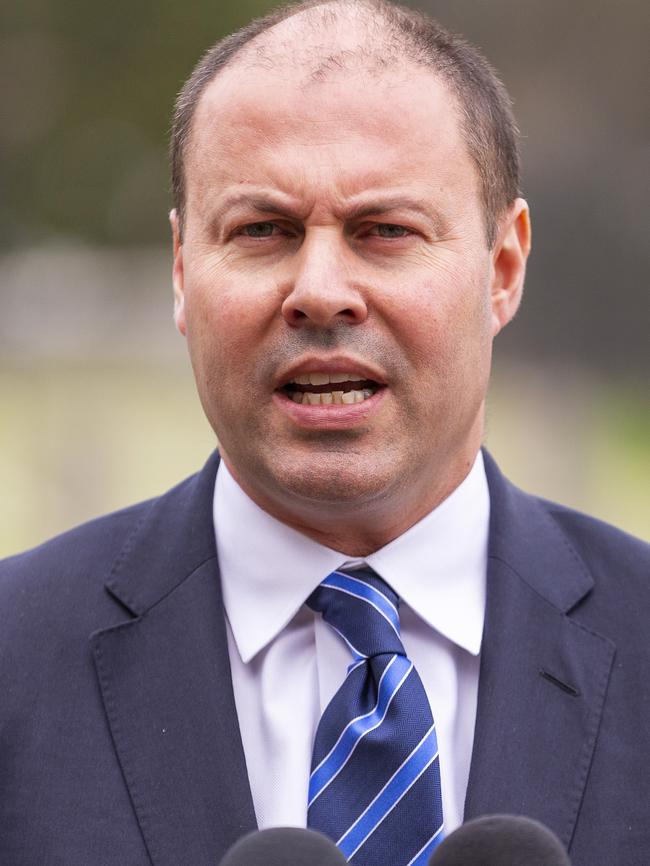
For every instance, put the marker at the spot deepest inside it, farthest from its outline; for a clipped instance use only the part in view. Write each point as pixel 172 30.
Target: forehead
pixel 356 123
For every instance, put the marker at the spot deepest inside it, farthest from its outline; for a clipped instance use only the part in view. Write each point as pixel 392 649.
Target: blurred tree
pixel 88 94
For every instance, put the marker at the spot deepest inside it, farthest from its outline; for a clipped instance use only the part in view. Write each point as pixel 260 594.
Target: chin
pixel 335 479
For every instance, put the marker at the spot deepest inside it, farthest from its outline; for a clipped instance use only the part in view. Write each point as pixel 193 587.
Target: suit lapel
pixel 165 680
pixel 543 675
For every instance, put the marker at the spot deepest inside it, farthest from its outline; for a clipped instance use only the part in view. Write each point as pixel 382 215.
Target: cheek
pixel 217 310
pixel 446 323
pixel 233 297
pixel 206 342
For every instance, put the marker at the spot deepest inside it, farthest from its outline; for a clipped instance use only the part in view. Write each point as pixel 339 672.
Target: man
pixel 348 241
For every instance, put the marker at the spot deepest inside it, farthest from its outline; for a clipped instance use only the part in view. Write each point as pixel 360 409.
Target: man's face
pixel 334 231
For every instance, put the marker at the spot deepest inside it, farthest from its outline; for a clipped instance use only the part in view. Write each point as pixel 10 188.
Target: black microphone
pixel 501 840
pixel 284 846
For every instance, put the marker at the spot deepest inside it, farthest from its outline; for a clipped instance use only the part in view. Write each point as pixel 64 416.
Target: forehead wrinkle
pixel 362 188
pixel 368 204
pixel 261 200
pixel 376 203
pixel 307 121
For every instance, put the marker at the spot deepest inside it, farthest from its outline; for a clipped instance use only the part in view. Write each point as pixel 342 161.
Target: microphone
pixel 501 840
pixel 284 846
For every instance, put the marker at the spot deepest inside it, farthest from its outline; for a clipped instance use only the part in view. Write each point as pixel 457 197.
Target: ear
pixel 177 274
pixel 509 257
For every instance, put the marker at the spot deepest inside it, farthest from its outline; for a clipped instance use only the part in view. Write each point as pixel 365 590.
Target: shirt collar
pixel 437 566
pixel 267 568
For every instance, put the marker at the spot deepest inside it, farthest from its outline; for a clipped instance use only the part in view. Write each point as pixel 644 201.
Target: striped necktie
pixel 375 780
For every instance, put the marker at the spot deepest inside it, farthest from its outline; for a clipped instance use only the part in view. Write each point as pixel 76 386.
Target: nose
pixel 323 290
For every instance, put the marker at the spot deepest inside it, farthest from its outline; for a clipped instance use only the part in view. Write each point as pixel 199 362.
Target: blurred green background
pixel 98 404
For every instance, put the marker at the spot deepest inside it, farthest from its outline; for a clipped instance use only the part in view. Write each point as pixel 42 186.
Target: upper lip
pixel 334 364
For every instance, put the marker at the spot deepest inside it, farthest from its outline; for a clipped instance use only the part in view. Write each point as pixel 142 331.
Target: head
pixel 400 35
pixel 345 181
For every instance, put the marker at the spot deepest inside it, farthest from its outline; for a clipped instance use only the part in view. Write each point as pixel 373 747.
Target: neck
pixel 358 529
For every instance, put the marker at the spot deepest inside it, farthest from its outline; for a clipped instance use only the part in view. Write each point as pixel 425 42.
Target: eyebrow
pixel 270 203
pixel 382 204
pixel 261 202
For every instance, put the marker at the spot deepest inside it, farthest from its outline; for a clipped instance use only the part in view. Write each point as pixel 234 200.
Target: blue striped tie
pixel 375 781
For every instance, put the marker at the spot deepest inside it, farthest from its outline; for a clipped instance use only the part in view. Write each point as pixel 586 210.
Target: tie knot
pixel 362 608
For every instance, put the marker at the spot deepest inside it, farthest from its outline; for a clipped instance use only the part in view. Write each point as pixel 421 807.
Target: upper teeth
pixel 326 378
pixel 308 398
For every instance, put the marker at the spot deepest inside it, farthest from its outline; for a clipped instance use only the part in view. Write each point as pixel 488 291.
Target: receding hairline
pixel 314 19
pixel 275 50
pixel 315 70
pixel 387 33
pixel 221 90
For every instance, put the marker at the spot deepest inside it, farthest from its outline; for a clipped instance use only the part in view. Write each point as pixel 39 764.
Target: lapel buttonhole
pixel 566 687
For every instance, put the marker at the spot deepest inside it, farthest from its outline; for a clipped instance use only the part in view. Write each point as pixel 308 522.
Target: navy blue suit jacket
pixel 119 741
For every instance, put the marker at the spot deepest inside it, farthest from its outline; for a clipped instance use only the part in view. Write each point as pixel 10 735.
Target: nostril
pixel 296 315
pixel 322 306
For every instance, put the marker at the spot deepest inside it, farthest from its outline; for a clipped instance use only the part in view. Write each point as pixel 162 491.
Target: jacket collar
pixel 543 674
pixel 542 682
pixel 524 535
pixel 166 685
pixel 173 538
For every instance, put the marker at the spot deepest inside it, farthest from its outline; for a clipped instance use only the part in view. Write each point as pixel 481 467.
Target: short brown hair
pixel 487 121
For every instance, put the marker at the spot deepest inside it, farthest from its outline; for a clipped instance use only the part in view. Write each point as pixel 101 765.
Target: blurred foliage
pixel 88 92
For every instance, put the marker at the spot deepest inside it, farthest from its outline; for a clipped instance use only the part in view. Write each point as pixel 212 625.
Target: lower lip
pixel 337 416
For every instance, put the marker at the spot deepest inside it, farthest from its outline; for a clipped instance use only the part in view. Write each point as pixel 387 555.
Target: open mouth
pixel 326 389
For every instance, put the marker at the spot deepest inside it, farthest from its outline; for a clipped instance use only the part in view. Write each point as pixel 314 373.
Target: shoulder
pixel 64 579
pixel 619 566
pixel 610 568
pixel 57 589
pixel 67 579
pixel 599 543
pixel 52 599
pixel 102 542
pixel 78 551
pixel 531 524
pixel 577 562
pixel 100 575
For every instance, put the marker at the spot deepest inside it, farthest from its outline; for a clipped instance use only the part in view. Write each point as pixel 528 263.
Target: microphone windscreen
pixel 284 846
pixel 501 840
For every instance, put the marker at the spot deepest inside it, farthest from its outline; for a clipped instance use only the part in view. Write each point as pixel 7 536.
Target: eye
pixel 389 231
pixel 259 230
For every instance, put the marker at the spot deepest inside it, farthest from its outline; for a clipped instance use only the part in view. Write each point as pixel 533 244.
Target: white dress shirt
pixel 287 663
